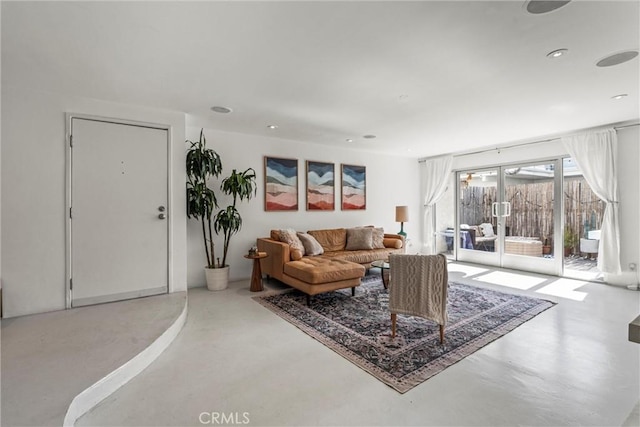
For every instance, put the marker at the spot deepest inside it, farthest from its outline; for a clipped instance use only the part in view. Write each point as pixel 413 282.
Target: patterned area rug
pixel 359 328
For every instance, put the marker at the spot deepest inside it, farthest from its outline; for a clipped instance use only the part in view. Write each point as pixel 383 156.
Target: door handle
pixel 507 210
pixel 494 209
pixel 162 216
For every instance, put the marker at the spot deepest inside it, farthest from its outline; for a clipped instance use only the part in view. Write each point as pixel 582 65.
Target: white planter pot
pixel 217 278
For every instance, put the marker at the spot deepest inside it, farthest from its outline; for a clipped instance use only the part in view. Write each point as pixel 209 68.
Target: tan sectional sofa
pixel 338 266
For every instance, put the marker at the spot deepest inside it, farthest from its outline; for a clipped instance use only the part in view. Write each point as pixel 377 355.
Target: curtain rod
pixel 522 144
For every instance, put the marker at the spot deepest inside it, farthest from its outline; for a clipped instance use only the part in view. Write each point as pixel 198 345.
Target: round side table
pixel 256 274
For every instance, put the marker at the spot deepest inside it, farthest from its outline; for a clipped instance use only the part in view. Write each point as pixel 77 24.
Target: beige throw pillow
pixel 290 237
pixel 311 245
pixel 359 239
pixel 377 238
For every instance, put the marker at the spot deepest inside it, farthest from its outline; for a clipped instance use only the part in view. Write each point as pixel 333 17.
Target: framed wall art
pixel 320 186
pixel 354 187
pixel 280 184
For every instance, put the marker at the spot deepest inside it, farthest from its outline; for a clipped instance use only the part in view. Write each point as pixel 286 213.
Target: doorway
pixel 508 216
pixel 583 214
pixel 117 197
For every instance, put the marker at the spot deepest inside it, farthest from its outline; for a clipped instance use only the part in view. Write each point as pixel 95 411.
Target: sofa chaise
pixel 325 260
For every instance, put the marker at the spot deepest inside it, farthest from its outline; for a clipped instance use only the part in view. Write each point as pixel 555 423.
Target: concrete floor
pixel 571 365
pixel 235 360
pixel 48 359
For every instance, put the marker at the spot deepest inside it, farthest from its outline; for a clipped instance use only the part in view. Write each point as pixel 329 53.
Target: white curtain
pixel 595 153
pixel 435 176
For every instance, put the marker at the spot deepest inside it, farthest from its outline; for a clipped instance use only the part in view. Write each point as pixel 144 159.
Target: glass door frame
pixel 472 255
pixel 498 258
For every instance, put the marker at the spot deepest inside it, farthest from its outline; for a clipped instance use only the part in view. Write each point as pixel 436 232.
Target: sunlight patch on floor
pixel 467 270
pixel 589 276
pixel 511 280
pixel 565 288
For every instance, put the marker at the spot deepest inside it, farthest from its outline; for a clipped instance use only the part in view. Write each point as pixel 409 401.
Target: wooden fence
pixel 532 208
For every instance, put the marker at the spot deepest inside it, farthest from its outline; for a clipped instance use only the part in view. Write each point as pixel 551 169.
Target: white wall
pixel 391 181
pixel 33 194
pixel 628 184
pixel 629 191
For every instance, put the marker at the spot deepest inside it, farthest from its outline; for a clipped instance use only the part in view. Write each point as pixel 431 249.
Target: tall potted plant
pixel 241 186
pixel 203 164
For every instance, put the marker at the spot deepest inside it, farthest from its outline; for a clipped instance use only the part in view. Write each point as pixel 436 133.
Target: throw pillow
pixel 290 237
pixel 295 254
pixel 359 239
pixel 377 238
pixel 392 243
pixel 311 245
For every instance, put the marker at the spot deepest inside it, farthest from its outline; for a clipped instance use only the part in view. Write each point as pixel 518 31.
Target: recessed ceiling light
pixel 622 95
pixel 219 109
pixel 349 140
pixel 272 126
pixel 617 58
pixel 369 136
pixel 557 53
pixel 541 6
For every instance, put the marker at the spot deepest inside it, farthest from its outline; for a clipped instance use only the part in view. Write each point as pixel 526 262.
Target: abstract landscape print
pixel 281 184
pixel 320 186
pixel 354 187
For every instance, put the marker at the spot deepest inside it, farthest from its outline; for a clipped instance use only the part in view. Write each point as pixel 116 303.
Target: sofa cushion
pixel 311 245
pixel 295 254
pixel 316 270
pixel 361 257
pixel 290 237
pixel 377 238
pixel 331 239
pixel 392 243
pixel 359 239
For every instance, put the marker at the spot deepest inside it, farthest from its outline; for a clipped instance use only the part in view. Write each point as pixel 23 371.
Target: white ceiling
pixel 430 77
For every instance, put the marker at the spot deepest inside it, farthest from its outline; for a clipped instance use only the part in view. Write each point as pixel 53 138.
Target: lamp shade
pixel 402 213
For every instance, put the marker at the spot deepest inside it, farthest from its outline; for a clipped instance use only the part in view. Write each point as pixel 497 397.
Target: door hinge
pixel 70 284
pixel 70 140
pixel 70 213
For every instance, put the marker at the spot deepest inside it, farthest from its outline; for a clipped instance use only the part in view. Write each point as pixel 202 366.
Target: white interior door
pixel 118 225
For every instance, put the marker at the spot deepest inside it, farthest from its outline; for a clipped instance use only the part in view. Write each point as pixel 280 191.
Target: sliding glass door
pixel 478 225
pixel 507 217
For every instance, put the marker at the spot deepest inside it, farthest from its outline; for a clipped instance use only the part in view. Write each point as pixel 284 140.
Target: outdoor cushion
pixel 487 229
